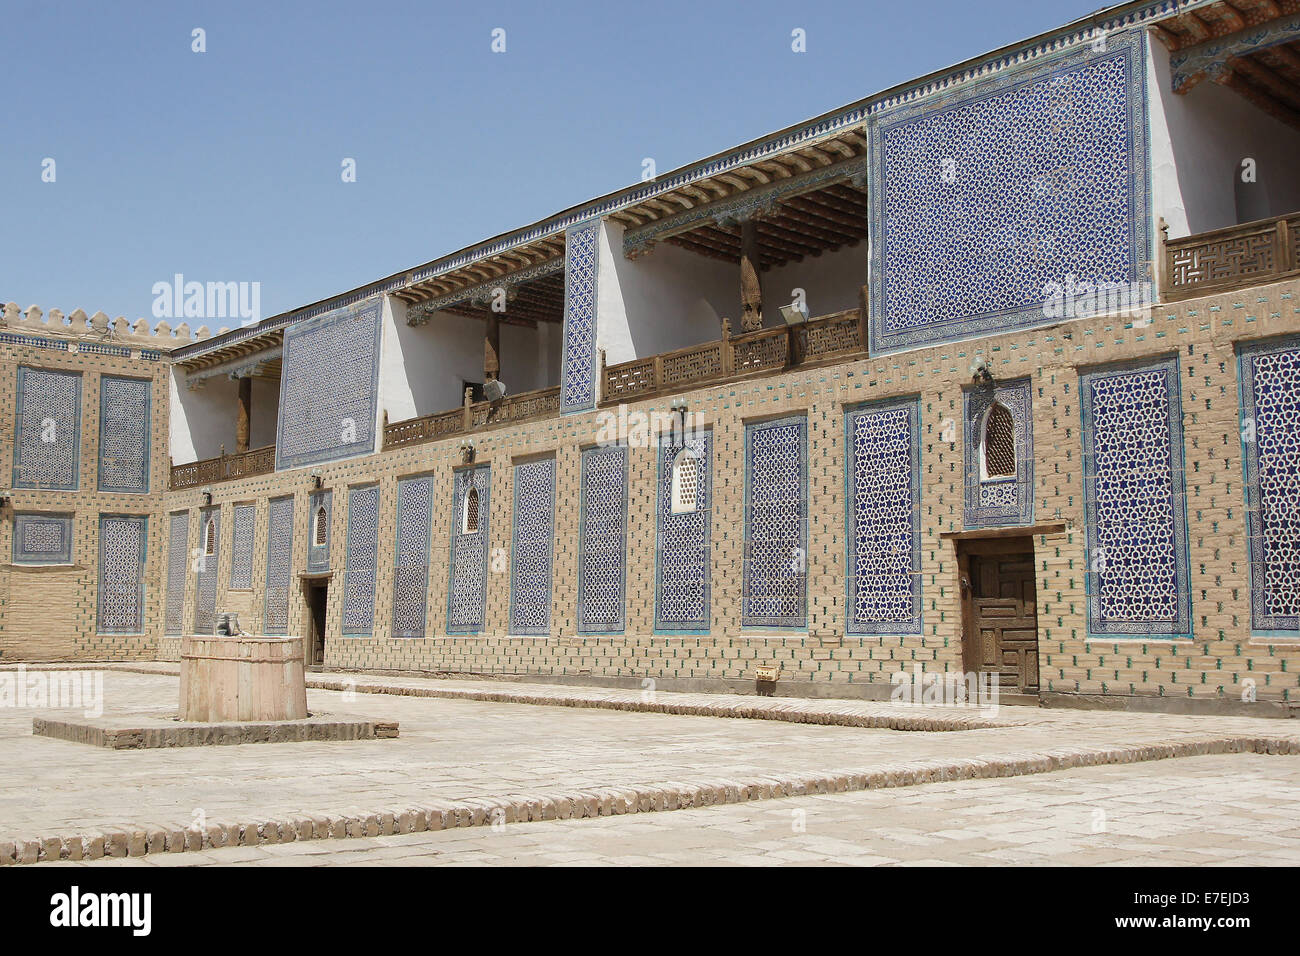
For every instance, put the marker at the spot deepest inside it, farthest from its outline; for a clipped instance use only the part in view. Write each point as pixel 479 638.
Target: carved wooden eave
pixel 530 300
pixel 1213 21
pixel 265 365
pixel 258 356
pixel 511 267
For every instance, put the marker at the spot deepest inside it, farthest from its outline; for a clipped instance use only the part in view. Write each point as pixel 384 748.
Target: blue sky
pixel 225 165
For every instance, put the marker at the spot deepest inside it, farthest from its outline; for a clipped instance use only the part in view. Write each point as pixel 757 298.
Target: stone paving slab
pixel 145 731
pixel 470 762
pixel 1209 810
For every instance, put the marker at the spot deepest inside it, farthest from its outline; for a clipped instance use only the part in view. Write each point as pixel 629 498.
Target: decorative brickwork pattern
pixel 124 418
pixel 581 265
pixel 123 542
pixel 411 570
pixel 683 563
pixel 1270 410
pixel 47 446
pixel 362 557
pixel 329 387
pixel 467 587
pixel 178 564
pixel 984 197
pixel 1000 496
pixel 42 539
pixel 775 592
pixel 241 546
pixel 533 543
pixel 602 559
pixel 1134 501
pixel 884 534
pixel 279 564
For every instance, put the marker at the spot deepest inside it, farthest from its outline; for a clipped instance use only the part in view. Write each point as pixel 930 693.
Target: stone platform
pixel 150 731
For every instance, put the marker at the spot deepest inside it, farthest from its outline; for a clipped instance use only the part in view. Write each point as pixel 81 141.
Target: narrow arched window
pixel 999 443
pixel 320 532
pixel 685 482
pixel 469 521
pixel 210 537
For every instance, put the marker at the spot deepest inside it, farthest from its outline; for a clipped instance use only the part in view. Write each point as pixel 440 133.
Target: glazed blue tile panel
pixel 42 539
pixel 123 541
pixel 467 575
pixel 982 197
pixel 205 604
pixel 360 564
pixel 581 264
pixel 534 532
pixel 124 405
pixel 329 387
pixel 682 554
pixel 411 569
pixel 47 446
pixel 178 563
pixel 1270 408
pixel 241 546
pixel 999 502
pixel 279 565
pixel 775 583
pixel 1134 501
pixel 318 555
pixel 884 531
pixel 602 558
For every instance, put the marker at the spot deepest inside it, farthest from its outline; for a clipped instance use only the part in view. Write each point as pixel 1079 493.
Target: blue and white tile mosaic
pixel 205 603
pixel 361 561
pixel 984 196
pixel 329 387
pixel 318 530
pixel 602 554
pixel 178 568
pixel 47 447
pixel 279 565
pixel 1134 501
pixel 123 540
pixel 124 406
pixel 42 538
pixel 581 266
pixel 884 521
pixel 683 565
pixel 533 537
pixel 467 575
pixel 1270 412
pixel 775 588
pixel 411 564
pixel 244 519
pixel 999 501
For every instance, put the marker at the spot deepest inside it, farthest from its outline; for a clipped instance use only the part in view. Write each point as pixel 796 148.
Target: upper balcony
pixel 1221 260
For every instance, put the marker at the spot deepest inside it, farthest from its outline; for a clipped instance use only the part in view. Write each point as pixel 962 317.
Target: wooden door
pixel 317 596
pixel 1005 619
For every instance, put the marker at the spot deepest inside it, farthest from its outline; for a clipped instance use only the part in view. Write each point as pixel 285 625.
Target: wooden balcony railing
pixel 513 408
pixel 1231 258
pixel 840 334
pixel 256 461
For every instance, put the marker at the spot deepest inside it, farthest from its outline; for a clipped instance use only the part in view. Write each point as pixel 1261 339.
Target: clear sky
pixel 226 165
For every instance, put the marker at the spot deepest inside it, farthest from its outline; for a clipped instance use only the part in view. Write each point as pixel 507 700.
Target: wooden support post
pixel 492 346
pixel 243 419
pixel 751 288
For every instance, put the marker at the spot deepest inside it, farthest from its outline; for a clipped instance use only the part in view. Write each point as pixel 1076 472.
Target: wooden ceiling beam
pixel 822 228
pixel 807 205
pixel 1282 91
pixel 768 228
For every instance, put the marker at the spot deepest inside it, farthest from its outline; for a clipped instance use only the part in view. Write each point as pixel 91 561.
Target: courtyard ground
pixel 904 796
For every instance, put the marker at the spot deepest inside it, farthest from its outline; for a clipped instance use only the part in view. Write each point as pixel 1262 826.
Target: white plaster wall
pixel 265 412
pixel 666 299
pixel 422 367
pixel 1198 142
pixel 201 419
pixel 831 283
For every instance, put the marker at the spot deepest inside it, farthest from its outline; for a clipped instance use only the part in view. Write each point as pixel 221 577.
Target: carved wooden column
pixel 751 288
pixel 492 346
pixel 243 420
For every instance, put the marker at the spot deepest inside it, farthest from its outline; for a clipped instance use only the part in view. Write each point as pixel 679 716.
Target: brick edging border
pixel 135 840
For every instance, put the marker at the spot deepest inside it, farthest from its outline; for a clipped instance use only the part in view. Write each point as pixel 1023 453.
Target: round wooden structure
pixel 242 678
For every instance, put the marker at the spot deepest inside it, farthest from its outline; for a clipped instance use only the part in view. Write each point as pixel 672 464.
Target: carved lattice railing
pixel 767 350
pixel 513 408
pixel 1230 258
pixel 256 461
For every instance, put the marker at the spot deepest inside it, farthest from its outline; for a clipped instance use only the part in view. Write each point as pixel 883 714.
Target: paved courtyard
pixel 480 754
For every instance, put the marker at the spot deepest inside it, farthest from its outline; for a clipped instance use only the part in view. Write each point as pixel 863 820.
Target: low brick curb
pixel 136 840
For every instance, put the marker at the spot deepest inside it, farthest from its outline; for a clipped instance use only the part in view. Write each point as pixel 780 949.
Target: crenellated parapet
pixel 99 328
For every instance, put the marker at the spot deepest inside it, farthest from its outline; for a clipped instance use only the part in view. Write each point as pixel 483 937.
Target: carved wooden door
pixel 1006 619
